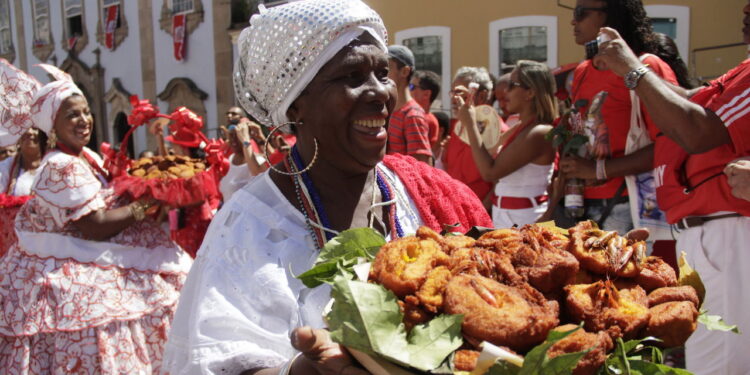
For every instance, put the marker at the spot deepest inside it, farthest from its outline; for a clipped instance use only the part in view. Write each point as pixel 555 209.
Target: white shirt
pixel 236 177
pixel 23 183
pixel 241 299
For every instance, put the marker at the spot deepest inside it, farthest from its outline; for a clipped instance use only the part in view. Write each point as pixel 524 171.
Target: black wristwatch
pixel 633 76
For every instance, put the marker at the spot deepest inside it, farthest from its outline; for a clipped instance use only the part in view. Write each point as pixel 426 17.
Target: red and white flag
pixel 178 36
pixel 110 24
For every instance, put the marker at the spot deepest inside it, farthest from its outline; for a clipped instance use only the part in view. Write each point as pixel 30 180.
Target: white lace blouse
pixel 241 299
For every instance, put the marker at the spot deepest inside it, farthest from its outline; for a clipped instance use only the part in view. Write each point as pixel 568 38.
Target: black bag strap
pixel 611 205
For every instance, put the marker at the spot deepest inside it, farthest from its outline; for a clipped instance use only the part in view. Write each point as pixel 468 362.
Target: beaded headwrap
pixel 285 46
pixel 25 103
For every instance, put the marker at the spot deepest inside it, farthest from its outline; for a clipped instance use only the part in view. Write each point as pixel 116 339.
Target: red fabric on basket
pixel 440 199
pixel 177 192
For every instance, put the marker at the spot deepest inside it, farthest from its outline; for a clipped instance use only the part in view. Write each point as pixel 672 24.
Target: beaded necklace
pixel 315 215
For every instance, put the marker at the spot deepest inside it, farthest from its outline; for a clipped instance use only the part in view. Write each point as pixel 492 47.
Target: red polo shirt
pixel 694 185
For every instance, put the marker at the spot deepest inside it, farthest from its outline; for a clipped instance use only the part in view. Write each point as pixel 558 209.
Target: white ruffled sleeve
pixel 68 187
pixel 241 300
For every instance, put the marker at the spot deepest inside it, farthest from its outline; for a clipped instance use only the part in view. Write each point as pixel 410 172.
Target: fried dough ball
pixel 674 293
pixel 430 294
pixel 602 306
pixel 403 265
pixel 518 317
pixel 486 263
pixel 542 263
pixel 578 341
pixel 413 313
pixel 453 243
pixel 501 240
pixel 672 322
pixel 465 360
pixel 606 253
pixel 656 273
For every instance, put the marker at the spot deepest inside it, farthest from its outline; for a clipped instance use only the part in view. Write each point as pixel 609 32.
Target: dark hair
pixel 429 80
pixel 629 18
pixel 667 50
pixel 401 65
pixel 444 121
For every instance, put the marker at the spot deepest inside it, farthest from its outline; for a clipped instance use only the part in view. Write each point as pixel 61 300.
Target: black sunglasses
pixel 579 12
pixel 514 84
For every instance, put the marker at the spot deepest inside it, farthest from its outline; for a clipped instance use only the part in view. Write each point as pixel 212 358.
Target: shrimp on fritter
pixel 602 306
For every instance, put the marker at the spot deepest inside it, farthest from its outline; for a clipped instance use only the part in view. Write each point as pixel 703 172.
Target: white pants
pixel 503 218
pixel 720 252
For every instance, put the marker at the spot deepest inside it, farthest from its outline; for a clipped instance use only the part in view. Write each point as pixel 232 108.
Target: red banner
pixel 178 36
pixel 72 42
pixel 110 24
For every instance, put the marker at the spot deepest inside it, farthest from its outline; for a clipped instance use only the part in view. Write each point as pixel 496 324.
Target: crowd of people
pixel 343 135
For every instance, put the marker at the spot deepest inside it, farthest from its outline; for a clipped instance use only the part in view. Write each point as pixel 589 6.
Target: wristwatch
pixel 633 76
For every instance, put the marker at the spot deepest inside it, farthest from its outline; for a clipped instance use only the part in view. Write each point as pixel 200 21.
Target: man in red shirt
pixel 425 88
pixel 408 130
pixel 701 135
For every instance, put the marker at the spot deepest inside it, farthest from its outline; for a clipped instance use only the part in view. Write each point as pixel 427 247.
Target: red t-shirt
pixel 434 126
pixel 589 81
pixel 728 97
pixel 408 131
pixel 459 162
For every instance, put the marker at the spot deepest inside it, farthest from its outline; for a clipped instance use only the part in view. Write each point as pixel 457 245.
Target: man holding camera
pixel 704 131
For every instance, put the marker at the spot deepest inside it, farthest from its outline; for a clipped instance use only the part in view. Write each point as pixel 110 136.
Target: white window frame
pixel 67 9
pixel 9 28
pixel 682 14
pixel 191 10
pixel 36 17
pixel 550 22
pixel 446 76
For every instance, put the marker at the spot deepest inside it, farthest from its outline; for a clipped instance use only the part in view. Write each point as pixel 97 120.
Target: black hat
pixel 401 53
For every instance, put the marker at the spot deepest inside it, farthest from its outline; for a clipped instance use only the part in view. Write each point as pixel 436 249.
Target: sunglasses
pixel 514 84
pixel 579 12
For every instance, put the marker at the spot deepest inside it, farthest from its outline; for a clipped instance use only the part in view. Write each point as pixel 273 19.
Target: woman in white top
pixel 16 177
pixel 242 307
pixel 523 166
pixel 92 283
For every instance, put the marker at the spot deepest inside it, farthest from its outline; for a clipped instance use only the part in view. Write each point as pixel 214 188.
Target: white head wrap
pixel 49 98
pixel 285 46
pixel 24 104
pixel 16 95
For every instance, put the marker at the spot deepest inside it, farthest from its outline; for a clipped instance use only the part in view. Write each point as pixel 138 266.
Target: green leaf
pixel 688 276
pixel 341 253
pixel 565 363
pixel 367 317
pixel 503 368
pixel 650 368
pixel 716 323
pixel 536 361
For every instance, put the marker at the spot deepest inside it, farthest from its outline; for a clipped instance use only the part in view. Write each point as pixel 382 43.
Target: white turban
pixel 285 46
pixel 24 104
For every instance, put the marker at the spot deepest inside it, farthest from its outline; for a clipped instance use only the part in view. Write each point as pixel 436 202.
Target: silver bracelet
pixel 601 169
pixel 287 368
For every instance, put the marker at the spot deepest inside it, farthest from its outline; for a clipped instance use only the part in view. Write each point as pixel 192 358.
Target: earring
pixel 51 139
pixel 307 168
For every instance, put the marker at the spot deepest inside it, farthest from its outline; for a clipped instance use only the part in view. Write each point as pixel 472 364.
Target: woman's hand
pixel 321 354
pixel 738 178
pixel 577 167
pixel 463 100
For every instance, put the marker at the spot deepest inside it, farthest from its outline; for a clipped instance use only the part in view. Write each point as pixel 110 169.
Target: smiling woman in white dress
pixel 322 65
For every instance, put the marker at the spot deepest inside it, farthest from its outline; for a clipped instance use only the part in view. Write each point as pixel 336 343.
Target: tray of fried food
pixel 167 167
pixel 513 286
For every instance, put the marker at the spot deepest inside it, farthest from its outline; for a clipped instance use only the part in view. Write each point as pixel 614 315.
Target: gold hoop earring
pixel 307 168
pixel 51 139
